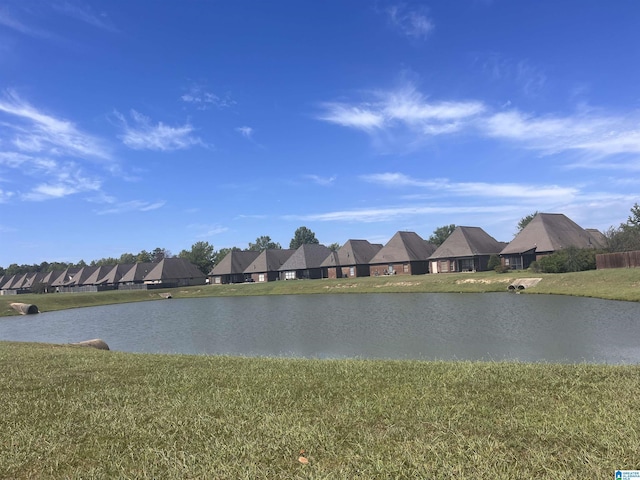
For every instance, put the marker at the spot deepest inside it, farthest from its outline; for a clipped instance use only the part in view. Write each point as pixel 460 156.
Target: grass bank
pixel 615 284
pixel 72 412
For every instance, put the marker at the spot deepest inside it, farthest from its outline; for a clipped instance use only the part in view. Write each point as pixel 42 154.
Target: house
pixel 114 274
pixel 467 249
pixel 231 268
pixel 266 266
pixel 64 277
pixel 135 275
pixel 351 260
pixel 545 234
pixel 174 272
pixel 305 263
pixel 405 254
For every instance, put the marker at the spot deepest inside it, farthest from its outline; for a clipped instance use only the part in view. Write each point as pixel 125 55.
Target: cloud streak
pixel 406 116
pixel 412 23
pixel 142 134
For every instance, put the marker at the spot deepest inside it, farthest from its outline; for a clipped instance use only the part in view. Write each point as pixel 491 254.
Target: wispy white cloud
pixel 85 13
pixel 207 230
pixel 130 206
pixel 323 181
pixel 38 132
pixel 246 132
pixel 597 134
pixel 404 107
pixel 394 213
pixel 142 134
pixel 405 116
pixel 413 23
pixel 474 189
pixel 202 99
pixel 67 180
pixel 8 20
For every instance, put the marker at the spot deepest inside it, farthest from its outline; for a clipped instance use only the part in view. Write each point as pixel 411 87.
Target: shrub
pixel 502 269
pixel 494 261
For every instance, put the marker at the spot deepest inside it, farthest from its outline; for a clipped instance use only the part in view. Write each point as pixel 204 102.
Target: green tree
pixel 440 234
pixel 264 243
pixel 494 261
pixel 524 221
pixel 127 258
pixel 144 257
pixel 334 247
pixel 202 255
pixel 302 236
pixel 159 254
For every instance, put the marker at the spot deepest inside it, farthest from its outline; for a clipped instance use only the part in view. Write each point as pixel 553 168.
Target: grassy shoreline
pixel 76 412
pixel 614 284
pixel 82 413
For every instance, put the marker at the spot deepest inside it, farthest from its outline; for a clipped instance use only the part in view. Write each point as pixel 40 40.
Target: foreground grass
pixel 614 284
pixel 81 413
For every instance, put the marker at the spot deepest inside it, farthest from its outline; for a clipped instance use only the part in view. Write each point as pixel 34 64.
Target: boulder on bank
pixel 94 343
pixel 25 308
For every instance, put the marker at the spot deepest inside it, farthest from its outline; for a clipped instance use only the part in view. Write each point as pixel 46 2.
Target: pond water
pixel 489 326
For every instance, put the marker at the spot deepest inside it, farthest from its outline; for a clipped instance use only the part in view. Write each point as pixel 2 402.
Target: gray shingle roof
pixel 98 274
pixel 234 262
pixel 64 277
pixel 354 252
pixel 114 274
pixel 468 242
pixel 269 261
pixel 172 269
pixel 307 256
pixel 137 272
pixel 404 247
pixel 81 277
pixel 549 232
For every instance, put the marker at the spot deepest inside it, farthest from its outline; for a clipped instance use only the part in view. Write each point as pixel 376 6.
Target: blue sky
pixel 130 125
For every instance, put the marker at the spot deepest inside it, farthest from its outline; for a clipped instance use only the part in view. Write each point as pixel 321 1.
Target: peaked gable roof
pixel 137 272
pixel 354 252
pixel 173 268
pixel 81 277
pixel 234 262
pixel 114 274
pixel 404 247
pixel 269 261
pixel 548 232
pixel 65 276
pixel 309 255
pixel 97 274
pixel 468 242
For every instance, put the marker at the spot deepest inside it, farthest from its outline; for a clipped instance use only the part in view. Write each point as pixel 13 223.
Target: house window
pixel 405 268
pixel 261 277
pixel 216 279
pixel 466 264
pixel 352 271
pixel 290 275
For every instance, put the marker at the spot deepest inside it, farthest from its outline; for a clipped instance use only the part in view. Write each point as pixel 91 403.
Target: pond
pixel 489 326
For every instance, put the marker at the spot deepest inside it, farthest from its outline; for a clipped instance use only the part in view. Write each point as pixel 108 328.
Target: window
pixel 261 277
pixel 405 268
pixel 290 275
pixel 352 271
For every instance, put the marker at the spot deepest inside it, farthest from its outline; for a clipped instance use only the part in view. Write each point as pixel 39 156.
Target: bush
pixel 494 261
pixel 502 269
pixel 571 259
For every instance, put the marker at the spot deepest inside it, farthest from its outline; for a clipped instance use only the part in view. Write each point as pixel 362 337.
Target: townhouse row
pixel 467 249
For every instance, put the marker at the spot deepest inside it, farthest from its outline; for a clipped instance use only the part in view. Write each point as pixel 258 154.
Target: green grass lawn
pixel 82 413
pixel 615 284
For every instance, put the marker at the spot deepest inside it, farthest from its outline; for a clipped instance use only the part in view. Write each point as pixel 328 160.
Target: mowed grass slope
pixel 82 413
pixel 615 284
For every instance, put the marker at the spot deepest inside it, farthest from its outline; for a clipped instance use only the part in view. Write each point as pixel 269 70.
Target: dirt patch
pixel 484 280
pixel 332 287
pixel 398 284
